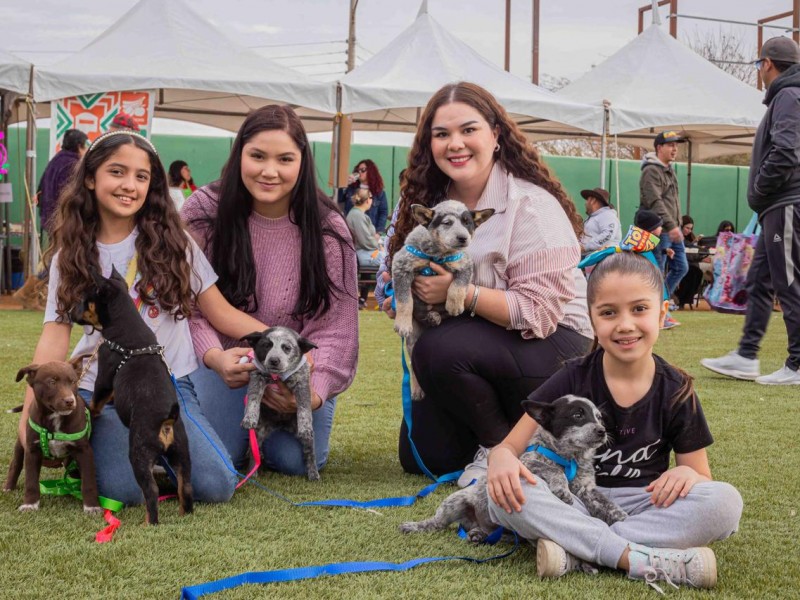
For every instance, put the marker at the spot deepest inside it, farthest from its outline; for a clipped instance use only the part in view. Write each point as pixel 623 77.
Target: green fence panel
pixel 743 210
pixel 205 156
pixel 715 190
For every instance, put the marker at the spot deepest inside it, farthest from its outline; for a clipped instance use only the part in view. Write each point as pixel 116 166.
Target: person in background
pixel 651 221
pixel 57 173
pixel 658 192
pixel 181 184
pixel 689 286
pixel 602 227
pixel 366 240
pixel 366 174
pixel 773 192
pixel 725 226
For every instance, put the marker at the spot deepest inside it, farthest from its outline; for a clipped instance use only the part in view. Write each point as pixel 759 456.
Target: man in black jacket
pixel 773 191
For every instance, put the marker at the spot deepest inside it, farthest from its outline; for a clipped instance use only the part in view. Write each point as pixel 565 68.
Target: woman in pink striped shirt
pixel 528 298
pixel 284 254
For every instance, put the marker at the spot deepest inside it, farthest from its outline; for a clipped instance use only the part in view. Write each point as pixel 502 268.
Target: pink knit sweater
pixel 277 251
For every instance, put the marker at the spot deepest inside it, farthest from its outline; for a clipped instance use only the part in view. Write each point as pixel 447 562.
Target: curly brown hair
pixel 162 246
pixel 424 183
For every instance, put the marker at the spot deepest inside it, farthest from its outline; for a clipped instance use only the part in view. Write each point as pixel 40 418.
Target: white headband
pixel 129 132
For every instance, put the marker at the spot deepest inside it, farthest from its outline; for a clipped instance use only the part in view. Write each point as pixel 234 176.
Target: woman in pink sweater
pixel 284 254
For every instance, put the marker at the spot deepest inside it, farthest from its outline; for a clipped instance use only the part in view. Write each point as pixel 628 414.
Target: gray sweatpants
pixel 711 511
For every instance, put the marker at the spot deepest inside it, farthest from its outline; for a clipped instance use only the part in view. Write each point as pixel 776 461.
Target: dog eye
pixel 578 414
pixel 286 348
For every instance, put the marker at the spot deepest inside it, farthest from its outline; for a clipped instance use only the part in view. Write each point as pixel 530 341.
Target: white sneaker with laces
pixel 695 567
pixel 734 365
pixel 783 376
pixel 476 468
pixel 553 561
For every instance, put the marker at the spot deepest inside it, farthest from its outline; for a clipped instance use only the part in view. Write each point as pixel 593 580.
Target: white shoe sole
pixel 732 372
pixel 710 560
pixel 549 559
pixel 778 382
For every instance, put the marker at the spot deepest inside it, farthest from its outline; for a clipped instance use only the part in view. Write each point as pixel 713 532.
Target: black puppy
pixel 131 370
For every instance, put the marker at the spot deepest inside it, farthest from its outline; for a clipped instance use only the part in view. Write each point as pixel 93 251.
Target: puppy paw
pixel 476 536
pixel 616 515
pixel 249 422
pixel 92 510
pixel 29 507
pixel 408 527
pixel 588 568
pixel 9 489
pixel 417 393
pixel 403 328
pixel 313 475
pixel 565 497
pixel 454 306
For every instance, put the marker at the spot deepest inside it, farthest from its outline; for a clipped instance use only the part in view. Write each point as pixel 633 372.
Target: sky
pixel 310 35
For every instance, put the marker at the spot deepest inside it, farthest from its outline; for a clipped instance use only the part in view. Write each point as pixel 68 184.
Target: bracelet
pixel 474 303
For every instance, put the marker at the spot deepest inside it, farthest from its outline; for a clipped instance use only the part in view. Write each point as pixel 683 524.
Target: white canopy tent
pixel 656 82
pixel 15 73
pixel 200 74
pixel 389 90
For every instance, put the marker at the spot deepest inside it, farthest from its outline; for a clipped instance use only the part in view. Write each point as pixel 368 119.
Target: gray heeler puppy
pixel 572 428
pixel 442 236
pixel 279 353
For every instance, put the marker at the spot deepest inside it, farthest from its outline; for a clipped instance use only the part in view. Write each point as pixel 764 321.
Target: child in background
pixel 650 408
pixel 116 211
pixel 366 239
pixel 650 221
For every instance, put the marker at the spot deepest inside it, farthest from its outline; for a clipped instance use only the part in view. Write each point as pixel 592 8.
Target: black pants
pixel 689 286
pixel 775 270
pixel 475 374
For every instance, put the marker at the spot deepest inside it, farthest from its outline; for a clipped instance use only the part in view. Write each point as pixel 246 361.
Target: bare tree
pixel 727 49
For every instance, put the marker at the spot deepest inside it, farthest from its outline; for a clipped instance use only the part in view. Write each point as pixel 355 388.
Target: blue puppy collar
pixel 570 466
pixel 427 271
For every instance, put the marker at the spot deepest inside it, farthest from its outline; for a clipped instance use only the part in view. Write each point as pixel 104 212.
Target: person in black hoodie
pixel 773 191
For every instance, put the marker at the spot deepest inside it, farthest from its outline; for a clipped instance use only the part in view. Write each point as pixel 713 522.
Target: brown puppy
pixel 58 428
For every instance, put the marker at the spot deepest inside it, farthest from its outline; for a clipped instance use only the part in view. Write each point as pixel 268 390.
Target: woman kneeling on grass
pixel 117 212
pixel 649 408
pixel 282 252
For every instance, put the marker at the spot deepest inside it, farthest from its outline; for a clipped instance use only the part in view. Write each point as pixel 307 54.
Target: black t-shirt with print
pixel 643 435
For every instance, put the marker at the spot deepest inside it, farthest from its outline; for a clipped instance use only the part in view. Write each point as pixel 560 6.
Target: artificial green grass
pixel 52 553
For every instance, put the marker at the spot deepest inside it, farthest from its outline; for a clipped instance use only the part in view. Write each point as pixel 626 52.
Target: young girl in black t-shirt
pixel 650 409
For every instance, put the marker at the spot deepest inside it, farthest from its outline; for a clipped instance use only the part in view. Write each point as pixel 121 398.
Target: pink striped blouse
pixel 529 249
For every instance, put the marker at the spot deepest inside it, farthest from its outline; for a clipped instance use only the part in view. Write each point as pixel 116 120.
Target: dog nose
pixel 274 362
pixel 69 402
pixel 462 239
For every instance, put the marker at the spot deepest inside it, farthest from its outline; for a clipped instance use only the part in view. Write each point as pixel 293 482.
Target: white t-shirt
pixel 171 333
pixel 177 196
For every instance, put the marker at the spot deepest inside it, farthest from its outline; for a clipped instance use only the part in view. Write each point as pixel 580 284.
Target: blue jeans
pixel 211 479
pixel 678 265
pixel 281 451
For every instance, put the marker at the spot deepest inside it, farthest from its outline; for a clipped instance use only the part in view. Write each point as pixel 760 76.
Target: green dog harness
pixel 45 436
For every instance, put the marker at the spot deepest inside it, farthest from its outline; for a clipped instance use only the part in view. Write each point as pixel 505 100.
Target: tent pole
pixel 337 132
pixel 30 245
pixel 689 181
pixel 603 146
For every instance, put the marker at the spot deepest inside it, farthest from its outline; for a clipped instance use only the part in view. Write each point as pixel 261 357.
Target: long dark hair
pixel 174 172
pixel 227 232
pixel 161 246
pixel 636 265
pixel 424 183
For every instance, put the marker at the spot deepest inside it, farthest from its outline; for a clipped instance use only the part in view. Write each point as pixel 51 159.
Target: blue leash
pixel 301 573
pixel 405 388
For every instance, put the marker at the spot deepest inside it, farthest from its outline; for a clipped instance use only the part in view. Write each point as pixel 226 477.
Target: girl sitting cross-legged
pixel 650 409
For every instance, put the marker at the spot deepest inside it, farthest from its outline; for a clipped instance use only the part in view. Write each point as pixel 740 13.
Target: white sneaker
pixel 783 376
pixel 733 365
pixel 476 468
pixel 695 567
pixel 553 561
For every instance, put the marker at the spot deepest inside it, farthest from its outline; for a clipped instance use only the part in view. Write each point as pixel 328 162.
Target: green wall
pixel 718 192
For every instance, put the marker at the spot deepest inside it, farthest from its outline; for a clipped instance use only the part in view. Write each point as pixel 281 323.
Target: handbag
pixel 732 259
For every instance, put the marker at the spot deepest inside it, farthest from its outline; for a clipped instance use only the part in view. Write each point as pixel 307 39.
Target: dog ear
pixel 252 338
pixel 77 362
pixel 541 412
pixel 421 214
pixel 117 275
pixel 481 216
pixel 305 344
pixel 30 371
pixel 97 277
